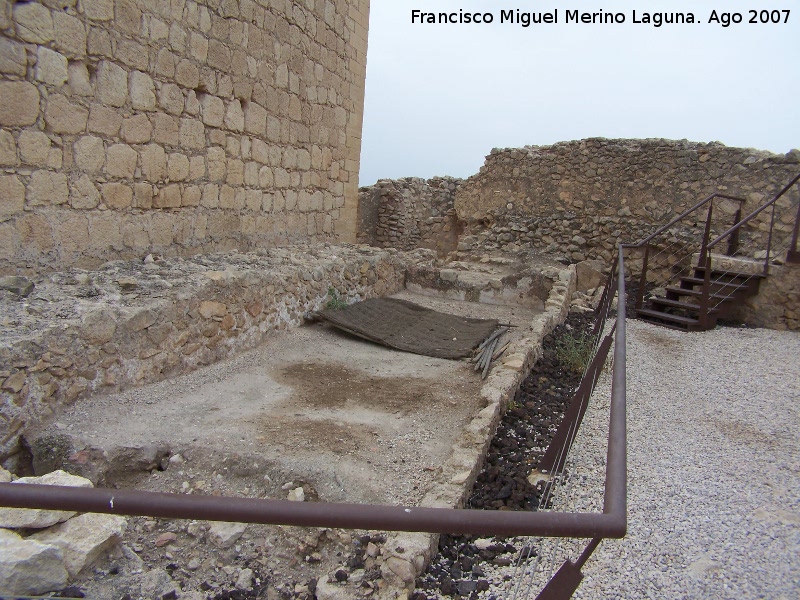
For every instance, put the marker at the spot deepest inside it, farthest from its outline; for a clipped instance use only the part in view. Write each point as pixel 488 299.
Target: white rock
pixel 84 538
pixel 296 495
pixel 5 476
pixel 34 518
pixel 332 591
pixel 29 567
pixel 245 580
pixel 224 534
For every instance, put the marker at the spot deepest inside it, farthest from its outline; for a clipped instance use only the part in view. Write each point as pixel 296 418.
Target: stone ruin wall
pixel 129 323
pixel 175 127
pixel 410 213
pixel 581 198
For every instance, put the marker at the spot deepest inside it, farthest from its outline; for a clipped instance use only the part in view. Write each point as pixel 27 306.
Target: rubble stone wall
pixel 130 127
pixel 581 198
pixel 410 213
pixel 130 323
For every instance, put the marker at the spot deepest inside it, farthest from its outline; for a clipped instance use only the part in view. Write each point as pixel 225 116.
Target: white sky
pixel 440 97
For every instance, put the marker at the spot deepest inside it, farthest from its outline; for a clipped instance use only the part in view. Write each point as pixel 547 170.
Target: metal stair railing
pixel 677 254
pixel 776 248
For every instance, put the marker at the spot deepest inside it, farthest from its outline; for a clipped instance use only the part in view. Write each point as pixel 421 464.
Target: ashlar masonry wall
pixel 175 127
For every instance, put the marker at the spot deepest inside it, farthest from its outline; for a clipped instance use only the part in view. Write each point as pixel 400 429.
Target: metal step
pixel 686 322
pixel 678 291
pixel 688 306
pixel 720 284
pixel 716 274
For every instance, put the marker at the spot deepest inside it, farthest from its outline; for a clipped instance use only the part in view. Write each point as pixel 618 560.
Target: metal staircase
pixel 706 286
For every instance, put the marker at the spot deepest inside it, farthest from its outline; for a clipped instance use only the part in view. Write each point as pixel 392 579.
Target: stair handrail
pixel 737 226
pixel 682 216
pixel 645 243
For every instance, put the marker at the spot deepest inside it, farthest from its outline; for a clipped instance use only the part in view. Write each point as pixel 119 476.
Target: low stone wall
pixel 580 199
pixel 410 213
pixel 130 323
pixel 777 304
pixel 407 554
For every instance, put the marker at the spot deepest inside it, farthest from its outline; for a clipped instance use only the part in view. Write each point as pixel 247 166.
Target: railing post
pixel 705 297
pixel 769 241
pixel 643 278
pixel 706 235
pixel 793 256
pixel 733 243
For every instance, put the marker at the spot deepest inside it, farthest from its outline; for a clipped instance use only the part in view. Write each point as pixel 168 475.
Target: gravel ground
pixel 713 467
pixel 713 476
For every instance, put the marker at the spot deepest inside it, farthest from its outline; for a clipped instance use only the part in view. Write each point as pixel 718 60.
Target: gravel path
pixel 713 467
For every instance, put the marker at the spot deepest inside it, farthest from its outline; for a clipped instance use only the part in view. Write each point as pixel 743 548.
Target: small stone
pixel 209 309
pixel 165 538
pixel 224 535
pixel 296 495
pixel 245 580
pixel 341 575
pixel 127 284
pixel 21 286
pixel 193 565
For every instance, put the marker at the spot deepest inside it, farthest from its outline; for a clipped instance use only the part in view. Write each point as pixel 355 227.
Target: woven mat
pixel 412 328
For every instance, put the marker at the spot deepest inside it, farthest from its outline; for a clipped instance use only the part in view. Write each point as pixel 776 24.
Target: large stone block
pixel 98 10
pixel 104 120
pixel 112 84
pixel 19 103
pixel 187 74
pixel 34 147
pixel 234 116
pixel 13 59
pixel 178 167
pixel 79 81
pixel 89 153
pixel 35 518
pixel 33 23
pixel 28 567
pixel 47 188
pixel 217 164
pixel 83 194
pixel 137 129
pixel 83 539
pixel 154 163
pixel 165 129
pixel 192 134
pixel 142 91
pixel 168 197
pixel 70 34
pixel 8 149
pixel 12 195
pixel 121 161
pixel 117 195
pixel 255 119
pixel 213 110
pixel 62 116
pixel 171 99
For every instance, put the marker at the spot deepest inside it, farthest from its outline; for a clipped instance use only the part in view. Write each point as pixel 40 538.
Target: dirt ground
pixel 313 408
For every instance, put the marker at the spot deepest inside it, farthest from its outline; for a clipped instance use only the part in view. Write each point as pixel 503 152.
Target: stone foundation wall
pixel 777 304
pixel 176 126
pixel 410 213
pixel 131 323
pixel 580 199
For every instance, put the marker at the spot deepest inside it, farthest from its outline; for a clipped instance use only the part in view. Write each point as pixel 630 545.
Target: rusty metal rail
pixel 611 523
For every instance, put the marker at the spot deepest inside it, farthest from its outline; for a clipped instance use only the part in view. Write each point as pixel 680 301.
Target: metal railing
pixel 610 523
pixel 719 285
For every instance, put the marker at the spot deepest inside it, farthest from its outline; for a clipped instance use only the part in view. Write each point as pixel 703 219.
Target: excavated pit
pixel 310 413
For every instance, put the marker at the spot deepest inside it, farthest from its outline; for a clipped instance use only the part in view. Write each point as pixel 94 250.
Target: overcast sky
pixel 440 97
